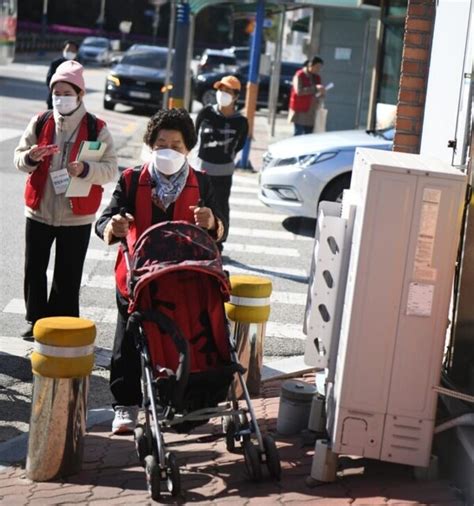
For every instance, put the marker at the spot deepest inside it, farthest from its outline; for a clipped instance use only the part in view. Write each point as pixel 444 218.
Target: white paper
pixel 329 86
pixel 78 188
pixel 420 299
pixel 60 179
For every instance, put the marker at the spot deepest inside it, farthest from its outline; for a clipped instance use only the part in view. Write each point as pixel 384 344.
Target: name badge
pixel 60 179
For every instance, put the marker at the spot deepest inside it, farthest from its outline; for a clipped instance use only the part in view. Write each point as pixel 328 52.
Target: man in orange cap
pixel 222 132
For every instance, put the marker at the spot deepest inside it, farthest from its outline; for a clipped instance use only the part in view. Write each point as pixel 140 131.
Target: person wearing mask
pixel 164 189
pixel 222 132
pixel 47 153
pixel 306 93
pixel 70 49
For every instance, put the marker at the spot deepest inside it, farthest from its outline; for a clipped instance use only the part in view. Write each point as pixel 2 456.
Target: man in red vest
pixel 306 92
pixel 165 189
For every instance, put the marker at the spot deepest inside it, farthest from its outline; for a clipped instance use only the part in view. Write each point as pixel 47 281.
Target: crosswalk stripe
pixel 298 275
pixel 9 133
pixel 240 201
pixel 266 234
pixel 267 250
pixel 244 189
pixel 106 315
pixel 252 181
pixel 267 217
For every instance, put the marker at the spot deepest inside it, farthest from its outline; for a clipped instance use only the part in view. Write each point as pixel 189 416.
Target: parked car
pixel 139 79
pixel 301 171
pixel 95 50
pixel 206 94
pixel 214 60
pixel 241 53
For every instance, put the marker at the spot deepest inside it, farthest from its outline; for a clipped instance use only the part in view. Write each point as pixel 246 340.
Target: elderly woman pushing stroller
pixel 165 189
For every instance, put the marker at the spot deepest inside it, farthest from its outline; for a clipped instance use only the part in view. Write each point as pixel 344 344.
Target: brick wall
pixel 419 25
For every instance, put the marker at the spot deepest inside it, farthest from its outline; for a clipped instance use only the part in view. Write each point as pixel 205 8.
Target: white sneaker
pixel 125 419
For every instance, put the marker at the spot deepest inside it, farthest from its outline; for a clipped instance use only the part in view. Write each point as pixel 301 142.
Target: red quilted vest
pixel 302 103
pixel 36 181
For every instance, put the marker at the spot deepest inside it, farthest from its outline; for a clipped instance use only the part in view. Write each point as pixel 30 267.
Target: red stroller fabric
pixel 177 270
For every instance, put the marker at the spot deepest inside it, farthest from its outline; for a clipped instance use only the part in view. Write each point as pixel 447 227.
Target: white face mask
pixel 64 105
pixel 167 161
pixel 69 55
pixel 223 98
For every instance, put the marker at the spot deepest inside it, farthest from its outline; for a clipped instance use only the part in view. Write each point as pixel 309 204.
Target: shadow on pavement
pixel 300 226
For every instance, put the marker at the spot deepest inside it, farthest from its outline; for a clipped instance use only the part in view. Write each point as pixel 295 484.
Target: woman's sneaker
pixel 125 419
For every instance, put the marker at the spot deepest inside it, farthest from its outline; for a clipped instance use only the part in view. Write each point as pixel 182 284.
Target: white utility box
pixel 396 302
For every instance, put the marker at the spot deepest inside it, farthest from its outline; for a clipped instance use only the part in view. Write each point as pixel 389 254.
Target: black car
pixel 215 60
pixel 206 94
pixel 139 79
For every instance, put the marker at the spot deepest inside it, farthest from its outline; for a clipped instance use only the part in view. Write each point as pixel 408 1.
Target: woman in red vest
pixel 164 189
pixel 305 93
pixel 48 152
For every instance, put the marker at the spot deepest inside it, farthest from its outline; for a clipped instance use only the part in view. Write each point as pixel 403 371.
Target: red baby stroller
pixel 177 291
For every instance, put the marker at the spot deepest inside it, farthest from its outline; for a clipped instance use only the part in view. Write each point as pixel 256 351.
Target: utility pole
pixel 252 83
pixel 44 24
pixel 101 18
pixel 156 17
pixel 170 53
pixel 180 55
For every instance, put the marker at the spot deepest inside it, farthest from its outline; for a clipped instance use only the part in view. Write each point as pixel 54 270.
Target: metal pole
pixel 275 80
pixel 180 55
pixel 188 95
pixel 44 25
pixel 170 52
pixel 101 19
pixel 252 82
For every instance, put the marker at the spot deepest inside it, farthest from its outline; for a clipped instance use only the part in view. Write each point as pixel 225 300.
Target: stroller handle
pixel 123 241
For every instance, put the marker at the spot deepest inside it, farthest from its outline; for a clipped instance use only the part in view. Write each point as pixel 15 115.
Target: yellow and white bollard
pixel 248 311
pixel 62 361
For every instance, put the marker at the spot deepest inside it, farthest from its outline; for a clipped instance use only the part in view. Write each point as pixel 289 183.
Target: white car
pixel 301 171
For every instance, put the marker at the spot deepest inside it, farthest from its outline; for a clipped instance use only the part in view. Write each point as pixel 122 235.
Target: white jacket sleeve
pixel 105 171
pixel 27 141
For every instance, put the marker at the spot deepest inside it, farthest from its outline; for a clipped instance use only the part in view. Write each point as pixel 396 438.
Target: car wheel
pixel 209 97
pixel 334 189
pixel 109 105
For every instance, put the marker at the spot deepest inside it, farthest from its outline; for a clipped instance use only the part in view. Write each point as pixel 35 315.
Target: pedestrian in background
pixel 222 132
pixel 70 49
pixel 306 93
pixel 47 152
pixel 164 189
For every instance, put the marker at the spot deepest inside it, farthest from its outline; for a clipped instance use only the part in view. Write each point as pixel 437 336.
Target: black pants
pixel 222 186
pixel 125 366
pixel 71 248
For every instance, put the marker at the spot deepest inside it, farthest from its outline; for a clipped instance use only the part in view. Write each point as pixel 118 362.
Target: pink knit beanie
pixel 70 72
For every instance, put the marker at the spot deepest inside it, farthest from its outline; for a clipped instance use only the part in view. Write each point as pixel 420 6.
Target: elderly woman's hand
pixel 38 153
pixel 75 169
pixel 204 217
pixel 120 224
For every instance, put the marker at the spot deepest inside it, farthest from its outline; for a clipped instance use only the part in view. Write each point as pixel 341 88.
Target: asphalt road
pixel 261 241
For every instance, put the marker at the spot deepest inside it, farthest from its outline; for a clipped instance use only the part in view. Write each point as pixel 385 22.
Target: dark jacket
pixel 121 199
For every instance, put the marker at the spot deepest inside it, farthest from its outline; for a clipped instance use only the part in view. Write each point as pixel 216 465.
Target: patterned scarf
pixel 168 189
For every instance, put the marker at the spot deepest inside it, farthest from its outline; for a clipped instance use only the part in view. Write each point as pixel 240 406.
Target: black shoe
pixel 27 333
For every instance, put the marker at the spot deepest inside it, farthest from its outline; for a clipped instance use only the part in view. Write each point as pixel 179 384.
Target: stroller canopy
pixel 171 246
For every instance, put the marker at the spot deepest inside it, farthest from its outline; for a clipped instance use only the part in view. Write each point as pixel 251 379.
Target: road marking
pixel 267 234
pixel 9 133
pixel 245 215
pixel 245 180
pixel 240 201
pixel 298 275
pixel 267 250
pixel 106 315
pixel 293 298
pixel 244 189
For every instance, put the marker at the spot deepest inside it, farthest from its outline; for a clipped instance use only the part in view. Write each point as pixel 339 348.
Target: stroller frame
pixel 240 424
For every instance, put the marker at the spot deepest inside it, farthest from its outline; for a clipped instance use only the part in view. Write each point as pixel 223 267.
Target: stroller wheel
pixel 272 457
pixel 174 478
pixel 152 472
pixel 230 436
pixel 141 444
pixel 252 461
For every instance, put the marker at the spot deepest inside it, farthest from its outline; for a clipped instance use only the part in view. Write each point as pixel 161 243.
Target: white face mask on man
pixel 167 161
pixel 69 55
pixel 64 104
pixel 223 98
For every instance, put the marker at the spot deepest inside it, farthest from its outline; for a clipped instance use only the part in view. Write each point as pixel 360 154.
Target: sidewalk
pixel 112 475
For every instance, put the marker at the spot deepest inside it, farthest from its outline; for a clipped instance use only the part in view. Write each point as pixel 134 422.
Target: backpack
pixel 92 130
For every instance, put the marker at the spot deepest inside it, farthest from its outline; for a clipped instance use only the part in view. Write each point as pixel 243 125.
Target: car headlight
pixel 113 79
pixel 306 161
pixel 200 78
